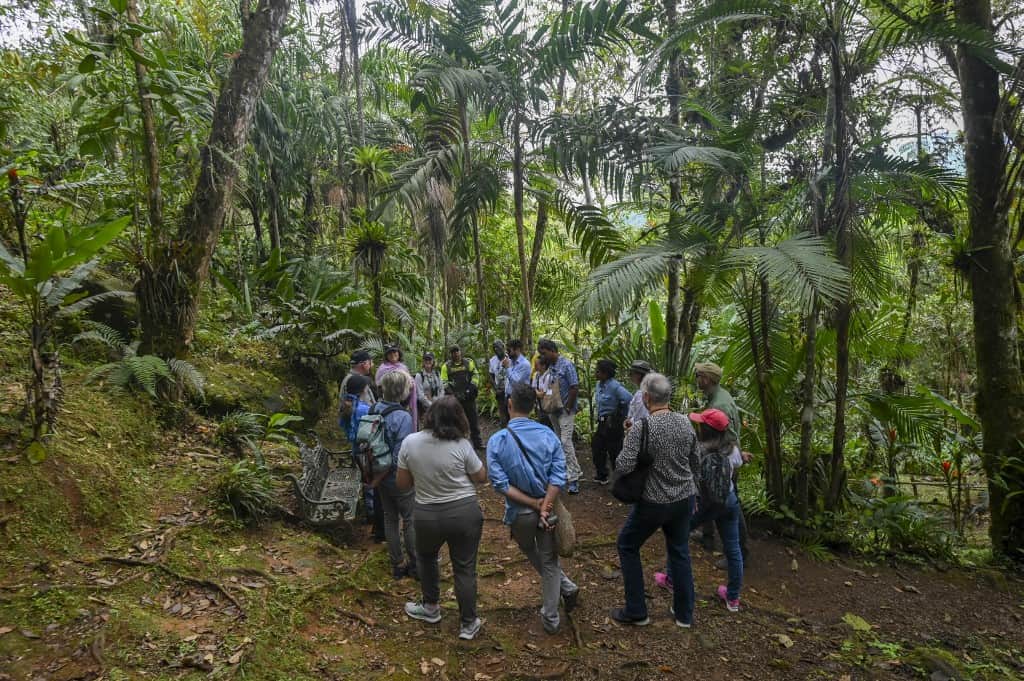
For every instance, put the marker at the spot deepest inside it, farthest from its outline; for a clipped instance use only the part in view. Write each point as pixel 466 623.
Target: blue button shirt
pixel 611 398
pixel 506 466
pixel 567 379
pixel 518 372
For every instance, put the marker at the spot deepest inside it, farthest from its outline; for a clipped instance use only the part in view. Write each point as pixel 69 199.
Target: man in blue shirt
pixel 526 464
pixel 612 402
pixel 517 368
pixel 564 421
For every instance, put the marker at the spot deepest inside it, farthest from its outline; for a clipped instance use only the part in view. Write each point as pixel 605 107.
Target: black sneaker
pixel 571 600
pixel 620 616
pixel 398 572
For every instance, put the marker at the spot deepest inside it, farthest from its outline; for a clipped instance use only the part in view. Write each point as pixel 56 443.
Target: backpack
pixel 373 444
pixel 715 477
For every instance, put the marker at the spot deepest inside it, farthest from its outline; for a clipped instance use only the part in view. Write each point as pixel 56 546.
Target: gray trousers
pixel 539 547
pixel 460 524
pixel 398 506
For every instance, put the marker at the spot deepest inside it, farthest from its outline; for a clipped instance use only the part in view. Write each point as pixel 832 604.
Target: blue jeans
pixel 727 518
pixel 644 520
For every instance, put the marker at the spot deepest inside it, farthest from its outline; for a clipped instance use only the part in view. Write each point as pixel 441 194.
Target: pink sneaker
pixel 663 580
pixel 731 606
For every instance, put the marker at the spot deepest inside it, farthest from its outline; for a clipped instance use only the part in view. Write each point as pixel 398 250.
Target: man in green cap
pixel 709 377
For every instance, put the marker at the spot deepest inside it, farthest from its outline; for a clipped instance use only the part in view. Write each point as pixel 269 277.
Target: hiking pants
pixel 398 507
pixel 469 406
pixel 540 549
pixel 565 423
pixel 460 524
pixel 727 519
pixel 607 444
pixel 644 520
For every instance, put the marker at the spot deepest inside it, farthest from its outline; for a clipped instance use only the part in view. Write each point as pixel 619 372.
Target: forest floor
pixel 185 593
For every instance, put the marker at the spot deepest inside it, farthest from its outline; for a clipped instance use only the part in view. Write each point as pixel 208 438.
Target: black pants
pixel 607 444
pixel 502 408
pixel 469 405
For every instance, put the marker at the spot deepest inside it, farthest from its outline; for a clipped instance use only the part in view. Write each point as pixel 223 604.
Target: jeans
pixel 460 524
pixel 469 406
pixel 565 423
pixel 607 444
pixel 644 520
pixel 727 519
pixel 398 506
pixel 540 549
pixel 707 538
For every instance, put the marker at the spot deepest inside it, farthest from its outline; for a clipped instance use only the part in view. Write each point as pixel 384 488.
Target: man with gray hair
pixel 666 504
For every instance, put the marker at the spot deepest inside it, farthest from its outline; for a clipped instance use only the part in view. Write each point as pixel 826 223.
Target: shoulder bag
pixel 565 531
pixel 629 488
pixel 551 401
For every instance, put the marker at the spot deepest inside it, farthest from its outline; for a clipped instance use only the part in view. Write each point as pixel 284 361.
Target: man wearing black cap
pixel 460 379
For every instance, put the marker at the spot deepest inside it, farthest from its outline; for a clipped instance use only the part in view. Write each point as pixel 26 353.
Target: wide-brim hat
pixel 641 367
pixel 708 369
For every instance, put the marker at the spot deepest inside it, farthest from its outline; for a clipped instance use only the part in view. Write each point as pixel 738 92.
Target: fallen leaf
pixel 424 667
pixel 848 583
pixel 236 658
pixel 912 589
pixel 784 641
pixel 480 676
pixel 190 638
pixel 437 661
pixel 794 566
pixel 531 646
pixel 28 633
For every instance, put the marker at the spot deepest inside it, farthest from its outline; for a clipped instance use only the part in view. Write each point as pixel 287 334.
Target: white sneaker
pixel 467 632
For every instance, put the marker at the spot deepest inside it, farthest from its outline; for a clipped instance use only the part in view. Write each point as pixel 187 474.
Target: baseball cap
pixel 428 355
pixel 713 418
pixel 359 356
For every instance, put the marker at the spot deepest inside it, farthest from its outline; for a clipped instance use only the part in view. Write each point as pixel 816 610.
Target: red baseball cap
pixel 713 418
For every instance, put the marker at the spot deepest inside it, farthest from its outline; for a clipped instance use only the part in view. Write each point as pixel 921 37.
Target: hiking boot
pixel 663 580
pixel 679 623
pixel 398 572
pixel 731 606
pixel 622 617
pixel 722 563
pixel 601 481
pixel 425 613
pixel 574 487
pixel 467 632
pixel 571 600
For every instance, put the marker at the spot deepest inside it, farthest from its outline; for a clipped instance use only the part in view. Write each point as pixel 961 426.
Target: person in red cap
pixel 716 440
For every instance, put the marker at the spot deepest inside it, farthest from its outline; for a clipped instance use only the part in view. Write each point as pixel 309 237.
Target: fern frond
pixel 101 333
pixel 187 376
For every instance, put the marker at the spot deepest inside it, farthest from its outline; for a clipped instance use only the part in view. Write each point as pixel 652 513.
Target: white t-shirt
pixel 440 468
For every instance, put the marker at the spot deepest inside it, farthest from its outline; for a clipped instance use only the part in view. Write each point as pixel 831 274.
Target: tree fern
pixel 187 376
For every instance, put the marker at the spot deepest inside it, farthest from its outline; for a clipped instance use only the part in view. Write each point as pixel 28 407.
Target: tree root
pixel 356 616
pixel 197 581
pixel 577 637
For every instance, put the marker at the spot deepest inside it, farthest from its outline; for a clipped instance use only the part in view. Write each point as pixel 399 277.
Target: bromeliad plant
pixel 45 277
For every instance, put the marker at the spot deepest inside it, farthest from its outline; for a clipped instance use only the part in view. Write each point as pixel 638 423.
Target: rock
pixel 940 664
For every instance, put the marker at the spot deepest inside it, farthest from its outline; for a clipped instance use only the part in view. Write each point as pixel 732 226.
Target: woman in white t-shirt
pixel 442 465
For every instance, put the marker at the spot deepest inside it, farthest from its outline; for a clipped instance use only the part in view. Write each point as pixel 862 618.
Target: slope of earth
pixel 167 586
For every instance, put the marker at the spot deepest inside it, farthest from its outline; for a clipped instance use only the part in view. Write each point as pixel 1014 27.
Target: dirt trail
pixel 307 609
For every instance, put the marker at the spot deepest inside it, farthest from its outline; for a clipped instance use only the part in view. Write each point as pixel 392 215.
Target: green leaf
pixel 88 63
pixel 141 58
pixel 36 452
pixel 658 329
pixel 856 622
pixel 281 419
pixel 120 6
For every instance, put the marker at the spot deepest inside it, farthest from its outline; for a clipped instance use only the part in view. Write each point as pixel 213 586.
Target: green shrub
pixel 247 489
pixel 240 430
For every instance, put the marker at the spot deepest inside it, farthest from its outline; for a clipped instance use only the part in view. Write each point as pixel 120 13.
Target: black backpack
pixel 629 488
pixel 715 477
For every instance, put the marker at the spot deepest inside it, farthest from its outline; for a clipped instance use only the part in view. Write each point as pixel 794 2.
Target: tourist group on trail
pixel 417 440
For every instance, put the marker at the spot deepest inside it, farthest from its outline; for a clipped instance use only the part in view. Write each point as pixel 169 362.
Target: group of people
pixel 427 497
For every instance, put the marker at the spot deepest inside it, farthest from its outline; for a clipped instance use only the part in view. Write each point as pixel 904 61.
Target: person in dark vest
pixel 461 379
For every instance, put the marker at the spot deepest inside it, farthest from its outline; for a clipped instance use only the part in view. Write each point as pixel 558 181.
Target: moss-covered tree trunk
pixel 1000 395
pixel 171 279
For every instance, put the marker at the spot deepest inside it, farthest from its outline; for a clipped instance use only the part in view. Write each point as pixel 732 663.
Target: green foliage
pixel 239 430
pixel 247 489
pixel 155 376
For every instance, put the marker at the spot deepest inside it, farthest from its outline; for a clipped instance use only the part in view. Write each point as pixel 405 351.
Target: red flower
pixel 892 435
pixel 946 465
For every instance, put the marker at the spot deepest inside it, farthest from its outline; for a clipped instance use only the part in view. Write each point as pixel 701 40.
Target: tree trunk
pixel 274 207
pixel 467 169
pixel 170 284
pixel 256 209
pixel 839 219
pixel 518 190
pixel 672 92
pixel 539 232
pixel 352 20
pixel 150 147
pixel 342 87
pixel 1000 394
